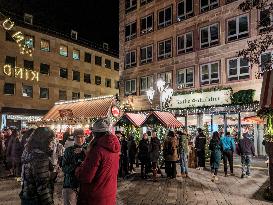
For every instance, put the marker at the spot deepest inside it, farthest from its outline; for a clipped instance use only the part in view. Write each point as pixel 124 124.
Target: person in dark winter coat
pixel 98 173
pixel 15 151
pixel 155 148
pixel 132 151
pixel 124 155
pixel 216 154
pixel 36 169
pixel 143 155
pixel 26 136
pixel 184 152
pixel 246 150
pixel 73 157
pixel 170 153
pixel 7 157
pixel 200 144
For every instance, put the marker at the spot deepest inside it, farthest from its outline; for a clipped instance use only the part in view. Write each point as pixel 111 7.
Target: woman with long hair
pixel 36 168
pixel 216 154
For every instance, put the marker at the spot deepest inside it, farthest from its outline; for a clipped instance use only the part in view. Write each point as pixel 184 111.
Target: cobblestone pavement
pixel 197 190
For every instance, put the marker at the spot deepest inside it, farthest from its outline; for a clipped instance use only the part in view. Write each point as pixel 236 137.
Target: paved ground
pixel 197 190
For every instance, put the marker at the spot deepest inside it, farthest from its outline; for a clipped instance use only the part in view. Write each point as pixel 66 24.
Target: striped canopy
pixel 166 119
pixel 131 119
pixel 267 90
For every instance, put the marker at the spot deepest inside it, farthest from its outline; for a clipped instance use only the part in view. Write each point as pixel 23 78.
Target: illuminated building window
pixel 75 95
pixel 63 50
pixel 11 61
pixel 116 66
pixel 130 31
pixel 130 87
pixel 28 65
pixel 62 95
pixel 185 43
pixel 146 54
pixel 97 80
pixel 87 57
pixel 164 18
pixel 45 45
pixel 165 49
pixel 9 89
pixel 27 91
pixel 237 28
pixel 98 60
pixel 29 41
pixel 44 69
pixel 146 83
pixel 167 77
pixel 76 75
pixel 44 93
pixel 209 35
pixel 76 54
pixel 87 78
pixel 238 69
pixel 107 63
pixel 63 73
pixel 146 24
pixel 107 83
pixel 185 77
pixel 209 73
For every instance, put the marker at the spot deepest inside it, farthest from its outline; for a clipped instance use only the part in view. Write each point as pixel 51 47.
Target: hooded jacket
pixel 98 173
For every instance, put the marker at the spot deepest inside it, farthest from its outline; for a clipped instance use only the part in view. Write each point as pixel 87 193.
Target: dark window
pixel 116 66
pixel 87 78
pixel 164 17
pixel 28 65
pixel 130 31
pixel 146 83
pixel 237 28
pixel 44 93
pixel 44 69
pixel 207 5
pixel 238 69
pixel 185 78
pixel 143 2
pixel 9 37
pixel 185 43
pixel 210 73
pixel 9 89
pixel 229 1
pixel 62 95
pixel 97 80
pixel 146 24
pixel 107 83
pixel 98 60
pixel 27 91
pixel 107 63
pixel 146 54
pixel 63 73
pixel 87 96
pixel 11 61
pixel 209 35
pixel 76 95
pixel 184 10
pixel 165 49
pixel 130 87
pixel 130 59
pixel 266 61
pixel 76 75
pixel 265 20
pixel 130 5
pixel 45 45
pixel 116 84
pixel 87 57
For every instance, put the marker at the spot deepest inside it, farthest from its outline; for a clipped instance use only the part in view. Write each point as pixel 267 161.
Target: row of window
pixel 27 91
pixel 237 69
pixel 185 6
pixel 237 28
pixel 63 72
pixel 63 51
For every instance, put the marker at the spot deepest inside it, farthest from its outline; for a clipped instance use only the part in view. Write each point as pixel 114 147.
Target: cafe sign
pixel 21 73
pixel 202 99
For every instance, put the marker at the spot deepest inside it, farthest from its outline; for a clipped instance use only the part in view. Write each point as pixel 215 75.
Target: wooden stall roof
pixel 131 118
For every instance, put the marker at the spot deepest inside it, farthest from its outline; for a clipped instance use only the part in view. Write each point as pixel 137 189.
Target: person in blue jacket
pixel 228 148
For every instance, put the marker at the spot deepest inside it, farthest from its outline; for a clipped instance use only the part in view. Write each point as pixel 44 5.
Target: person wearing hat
pixel 98 173
pixel 73 156
pixel 155 148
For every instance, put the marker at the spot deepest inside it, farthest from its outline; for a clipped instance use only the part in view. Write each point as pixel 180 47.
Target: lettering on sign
pixel 21 73
pixel 219 97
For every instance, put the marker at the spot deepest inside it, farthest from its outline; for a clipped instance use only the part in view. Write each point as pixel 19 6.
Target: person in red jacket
pixel 98 173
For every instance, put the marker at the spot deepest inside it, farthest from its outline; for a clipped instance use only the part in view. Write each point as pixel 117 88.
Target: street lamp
pixel 164 91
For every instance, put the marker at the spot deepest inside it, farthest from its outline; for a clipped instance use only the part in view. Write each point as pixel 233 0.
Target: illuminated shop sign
pixel 24 118
pixel 220 97
pixel 21 73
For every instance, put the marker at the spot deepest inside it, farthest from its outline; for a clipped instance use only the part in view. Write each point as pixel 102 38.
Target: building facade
pixel 193 46
pixel 60 68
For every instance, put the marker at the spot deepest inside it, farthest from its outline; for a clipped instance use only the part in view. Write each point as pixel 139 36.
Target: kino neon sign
pixel 21 73
pixel 18 36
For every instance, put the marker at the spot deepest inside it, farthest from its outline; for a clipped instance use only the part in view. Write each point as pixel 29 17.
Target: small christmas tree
pixel 206 133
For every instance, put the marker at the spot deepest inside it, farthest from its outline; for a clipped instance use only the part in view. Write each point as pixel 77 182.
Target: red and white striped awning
pixel 131 118
pixel 167 119
pixel 267 90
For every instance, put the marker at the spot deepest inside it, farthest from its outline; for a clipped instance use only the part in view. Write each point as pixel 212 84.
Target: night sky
pixel 95 20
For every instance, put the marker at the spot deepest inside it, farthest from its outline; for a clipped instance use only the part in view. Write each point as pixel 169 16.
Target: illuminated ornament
pixel 8 24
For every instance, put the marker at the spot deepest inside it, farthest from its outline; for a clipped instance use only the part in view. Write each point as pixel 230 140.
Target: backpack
pixel 170 149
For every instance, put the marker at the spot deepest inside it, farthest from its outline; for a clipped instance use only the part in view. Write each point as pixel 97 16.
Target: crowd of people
pixel 92 164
